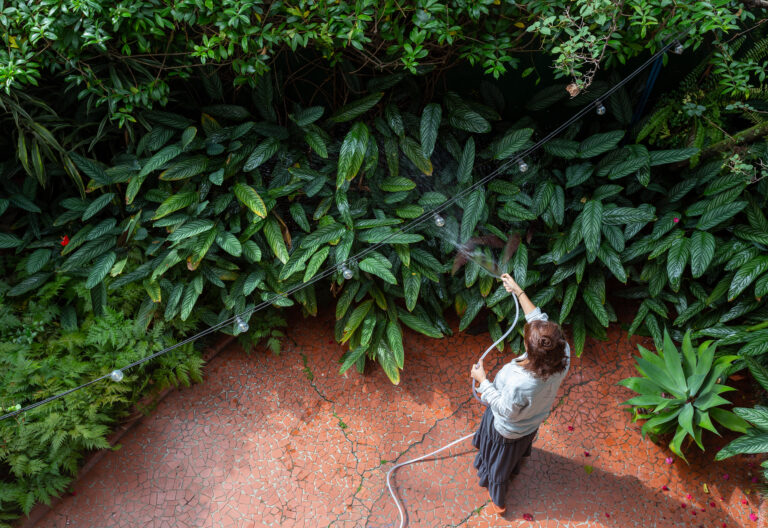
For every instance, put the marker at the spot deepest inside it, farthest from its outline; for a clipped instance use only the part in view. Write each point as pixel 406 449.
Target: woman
pixel 519 399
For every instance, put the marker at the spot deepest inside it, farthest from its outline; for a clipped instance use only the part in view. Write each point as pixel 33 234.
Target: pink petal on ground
pixel 755 480
pixel 570 428
pixel 664 488
pixel 683 505
pixel 712 504
pixel 607 514
pixel 688 496
pixel 527 516
pixel 669 460
pixel 752 517
pixel 744 501
pixel 703 510
pixel 693 512
pixel 726 476
pixel 586 453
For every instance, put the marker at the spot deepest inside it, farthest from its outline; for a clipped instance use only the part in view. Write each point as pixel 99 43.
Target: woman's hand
pixel 510 285
pixel 478 372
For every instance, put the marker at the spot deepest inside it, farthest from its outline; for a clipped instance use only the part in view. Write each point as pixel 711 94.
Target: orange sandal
pixel 493 508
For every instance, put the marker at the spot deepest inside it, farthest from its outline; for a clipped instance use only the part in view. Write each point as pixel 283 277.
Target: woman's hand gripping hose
pixel 511 287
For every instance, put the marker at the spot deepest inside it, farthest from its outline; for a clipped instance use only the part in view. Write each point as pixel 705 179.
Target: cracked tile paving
pixel 286 441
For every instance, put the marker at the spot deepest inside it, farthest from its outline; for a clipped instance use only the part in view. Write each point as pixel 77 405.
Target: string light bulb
pixel 116 375
pixel 241 324
pixel 677 48
pixel 522 166
pixel 346 272
pixel 439 220
pixel 600 108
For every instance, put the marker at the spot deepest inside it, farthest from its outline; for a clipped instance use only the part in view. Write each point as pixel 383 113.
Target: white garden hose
pixel 474 393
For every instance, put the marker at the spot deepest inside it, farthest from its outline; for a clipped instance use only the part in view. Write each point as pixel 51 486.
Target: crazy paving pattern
pixel 286 441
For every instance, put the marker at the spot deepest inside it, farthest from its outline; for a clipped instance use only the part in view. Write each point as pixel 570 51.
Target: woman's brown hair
pixel 545 344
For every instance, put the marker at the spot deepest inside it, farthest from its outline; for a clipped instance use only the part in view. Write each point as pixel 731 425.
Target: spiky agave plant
pixel 682 393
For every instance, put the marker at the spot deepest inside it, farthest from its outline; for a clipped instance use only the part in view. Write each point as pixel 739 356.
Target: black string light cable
pixel 433 214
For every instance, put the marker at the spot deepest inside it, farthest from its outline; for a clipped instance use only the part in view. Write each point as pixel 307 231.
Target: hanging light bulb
pixel 439 220
pixel 241 324
pixel 600 108
pixel 116 375
pixel 677 48
pixel 346 272
pixel 522 166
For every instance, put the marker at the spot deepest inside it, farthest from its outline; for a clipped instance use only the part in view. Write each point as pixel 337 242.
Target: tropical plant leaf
pixel 591 220
pixel 352 153
pixel 702 249
pixel 100 269
pixel 375 267
pixel 174 203
pixel 466 162
pixel 662 157
pixel 274 236
pixel 248 196
pixel 512 142
pixel 473 210
pixel 719 214
pixel 97 205
pixel 413 152
pixel 600 143
pixel 746 274
pixel 468 120
pixel 430 123
pixel 265 150
pixel 356 108
pixel 417 323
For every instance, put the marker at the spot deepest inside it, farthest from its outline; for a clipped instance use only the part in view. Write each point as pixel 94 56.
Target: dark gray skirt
pixel 498 459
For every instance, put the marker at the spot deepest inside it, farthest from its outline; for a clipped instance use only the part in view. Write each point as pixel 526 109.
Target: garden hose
pixel 400 509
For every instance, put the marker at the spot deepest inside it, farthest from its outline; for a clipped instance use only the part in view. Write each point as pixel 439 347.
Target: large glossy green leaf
pixel 662 157
pixel 719 214
pixel 411 286
pixel 356 108
pixel 512 142
pixel 9 241
pixel 473 210
pixel 97 205
pixel 375 267
pixel 356 319
pixel 174 203
pixel 248 196
pixel 430 122
pixel 746 274
pixel 275 239
pixel 190 229
pixel 413 152
pixel 677 258
pixel 466 162
pixel 100 269
pixel 352 153
pixel 468 120
pixel 729 420
pixel 757 443
pixel 417 323
pixel 600 143
pixel 591 219
pixel 702 249
pixel 388 363
pixel 395 341
pixel 185 169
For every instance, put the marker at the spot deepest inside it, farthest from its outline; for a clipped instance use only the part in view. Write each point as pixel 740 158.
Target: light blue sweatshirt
pixel 519 400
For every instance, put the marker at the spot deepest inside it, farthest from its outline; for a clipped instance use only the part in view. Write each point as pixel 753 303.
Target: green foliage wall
pixel 127 54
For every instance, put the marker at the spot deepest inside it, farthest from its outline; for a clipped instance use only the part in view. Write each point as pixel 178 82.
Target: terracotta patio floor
pixel 286 441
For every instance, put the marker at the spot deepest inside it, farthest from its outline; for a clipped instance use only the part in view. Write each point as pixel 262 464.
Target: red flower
pixel 675 219
pixel 527 516
pixel 64 240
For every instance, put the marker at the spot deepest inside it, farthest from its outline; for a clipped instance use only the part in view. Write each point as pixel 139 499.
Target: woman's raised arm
pixel 512 287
